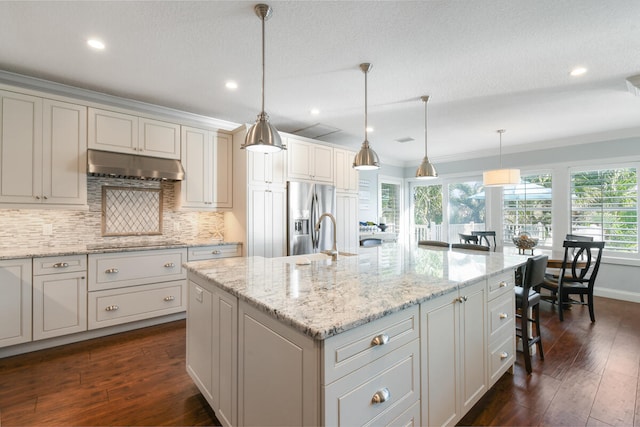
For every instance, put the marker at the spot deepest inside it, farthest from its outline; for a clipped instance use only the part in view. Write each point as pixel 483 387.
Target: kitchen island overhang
pixel 327 300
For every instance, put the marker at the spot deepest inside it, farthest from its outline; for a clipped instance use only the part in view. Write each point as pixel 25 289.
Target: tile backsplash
pixel 24 227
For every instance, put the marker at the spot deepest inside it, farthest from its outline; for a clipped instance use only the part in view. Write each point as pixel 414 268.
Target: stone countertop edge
pixel 51 251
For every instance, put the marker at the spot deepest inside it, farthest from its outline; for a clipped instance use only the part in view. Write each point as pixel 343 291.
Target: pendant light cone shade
pixel 366 159
pixel 263 136
pixel 501 177
pixel 426 170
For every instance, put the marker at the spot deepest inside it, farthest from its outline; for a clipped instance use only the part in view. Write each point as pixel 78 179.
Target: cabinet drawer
pixel 350 400
pixel 355 348
pixel 501 284
pixel 59 264
pixel 501 357
pixel 198 253
pixel 501 316
pixel 115 306
pixel 117 270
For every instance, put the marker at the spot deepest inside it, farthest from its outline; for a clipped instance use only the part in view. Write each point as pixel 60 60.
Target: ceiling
pixel 486 65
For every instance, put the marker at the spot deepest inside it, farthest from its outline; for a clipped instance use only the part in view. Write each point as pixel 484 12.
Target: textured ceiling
pixel 486 64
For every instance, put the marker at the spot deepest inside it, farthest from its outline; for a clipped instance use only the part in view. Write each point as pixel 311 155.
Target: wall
pixel 23 227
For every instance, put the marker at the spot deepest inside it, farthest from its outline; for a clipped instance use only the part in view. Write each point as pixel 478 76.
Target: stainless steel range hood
pixel 120 165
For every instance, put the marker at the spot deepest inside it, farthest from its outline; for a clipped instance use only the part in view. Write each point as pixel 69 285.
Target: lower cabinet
pixel 454 352
pixel 266 228
pixel 347 222
pixel 59 296
pixel 15 304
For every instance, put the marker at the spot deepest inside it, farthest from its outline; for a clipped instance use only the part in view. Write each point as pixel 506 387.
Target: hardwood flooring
pixel 590 377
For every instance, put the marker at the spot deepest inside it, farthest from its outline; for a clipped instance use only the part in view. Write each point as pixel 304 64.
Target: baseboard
pixel 87 335
pixel 616 294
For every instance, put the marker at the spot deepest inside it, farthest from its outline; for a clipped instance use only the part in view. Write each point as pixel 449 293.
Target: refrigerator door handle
pixel 315 209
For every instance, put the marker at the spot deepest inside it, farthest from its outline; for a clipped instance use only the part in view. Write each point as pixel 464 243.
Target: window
pixel 604 204
pixel 466 208
pixel 527 208
pixel 427 212
pixel 390 203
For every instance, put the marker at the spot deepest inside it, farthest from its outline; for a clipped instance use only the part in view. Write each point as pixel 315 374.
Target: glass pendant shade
pixel 263 137
pixel 366 159
pixel 501 177
pixel 426 170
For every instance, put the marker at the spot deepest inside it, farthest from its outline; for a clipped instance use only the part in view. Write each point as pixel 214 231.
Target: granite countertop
pixel 327 297
pixel 104 247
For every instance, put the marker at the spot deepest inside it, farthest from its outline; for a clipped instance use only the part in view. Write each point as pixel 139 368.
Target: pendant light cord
pixel 425 99
pixel 263 63
pixel 500 132
pixel 366 136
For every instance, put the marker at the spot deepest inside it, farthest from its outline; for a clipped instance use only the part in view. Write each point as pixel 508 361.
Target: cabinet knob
pixel 169 265
pixel 504 355
pixel 215 252
pixel 461 299
pixel 111 270
pixel 111 307
pixel 503 315
pixel 44 197
pixel 169 298
pixel 381 396
pixel 60 265
pixel 503 284
pixel 37 197
pixel 381 339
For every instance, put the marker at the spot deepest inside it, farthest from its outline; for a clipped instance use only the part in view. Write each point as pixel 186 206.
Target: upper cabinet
pixel 267 168
pixel 308 161
pixel 207 160
pixel 42 151
pixel 346 177
pixel 127 133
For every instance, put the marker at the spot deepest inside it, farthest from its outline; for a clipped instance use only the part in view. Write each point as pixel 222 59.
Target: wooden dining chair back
pixel 577 275
pixel 484 236
pixel 435 243
pixel 470 246
pixel 528 303
pixel 468 238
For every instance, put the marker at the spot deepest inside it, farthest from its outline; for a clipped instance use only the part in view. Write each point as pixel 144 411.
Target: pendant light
pixel 500 177
pixel 262 136
pixel 426 170
pixel 366 159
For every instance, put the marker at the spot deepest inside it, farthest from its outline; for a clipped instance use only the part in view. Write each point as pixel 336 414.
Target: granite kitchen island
pixel 386 337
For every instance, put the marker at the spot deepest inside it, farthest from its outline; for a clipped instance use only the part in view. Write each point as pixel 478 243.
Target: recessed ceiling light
pixel 578 71
pixel 369 129
pixel 231 85
pixel 96 44
pixel 314 111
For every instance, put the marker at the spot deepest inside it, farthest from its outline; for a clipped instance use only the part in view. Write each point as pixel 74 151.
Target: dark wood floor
pixel 589 377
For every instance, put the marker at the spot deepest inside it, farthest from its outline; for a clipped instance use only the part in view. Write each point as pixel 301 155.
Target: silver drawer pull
pixel 461 299
pixel 111 270
pixel 111 308
pixel 169 298
pixel 503 284
pixel 381 396
pixel 216 252
pixel 60 265
pixel 504 355
pixel 503 315
pixel 169 265
pixel 381 339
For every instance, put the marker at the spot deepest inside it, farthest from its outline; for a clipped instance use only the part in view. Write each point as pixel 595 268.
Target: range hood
pixel 120 165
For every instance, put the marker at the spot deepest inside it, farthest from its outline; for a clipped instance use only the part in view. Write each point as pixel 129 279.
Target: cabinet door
pixel 266 230
pixel 322 163
pixel 111 131
pixel 345 176
pixel 59 304
pixel 158 138
pixel 225 356
pixel 266 168
pixel 196 159
pixel 64 143
pixel 200 338
pixel 347 222
pixel 299 159
pixel 20 148
pixel 473 344
pixel 222 188
pixel 15 304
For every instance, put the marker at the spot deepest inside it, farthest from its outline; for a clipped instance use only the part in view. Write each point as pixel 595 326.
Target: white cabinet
pixel 454 351
pixel 227 250
pixel 43 151
pixel 347 222
pixel 266 217
pixel 207 160
pixel 212 333
pixel 308 161
pixel 346 177
pixel 15 303
pixel 128 133
pixel 501 325
pixel 267 168
pixel 59 296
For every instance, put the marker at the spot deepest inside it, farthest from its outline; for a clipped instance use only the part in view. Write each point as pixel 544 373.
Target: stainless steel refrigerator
pixel 305 203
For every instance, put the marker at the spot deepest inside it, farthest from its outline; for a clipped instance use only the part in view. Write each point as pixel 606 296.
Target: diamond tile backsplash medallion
pixel 82 225
pixel 128 211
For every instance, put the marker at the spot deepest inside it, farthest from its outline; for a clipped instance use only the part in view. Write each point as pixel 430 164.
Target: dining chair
pixel 578 238
pixel 437 243
pixel 468 238
pixel 484 235
pixel 470 246
pixel 528 303
pixel 577 275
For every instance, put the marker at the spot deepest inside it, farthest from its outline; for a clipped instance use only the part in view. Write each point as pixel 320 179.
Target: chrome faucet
pixel 333 252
